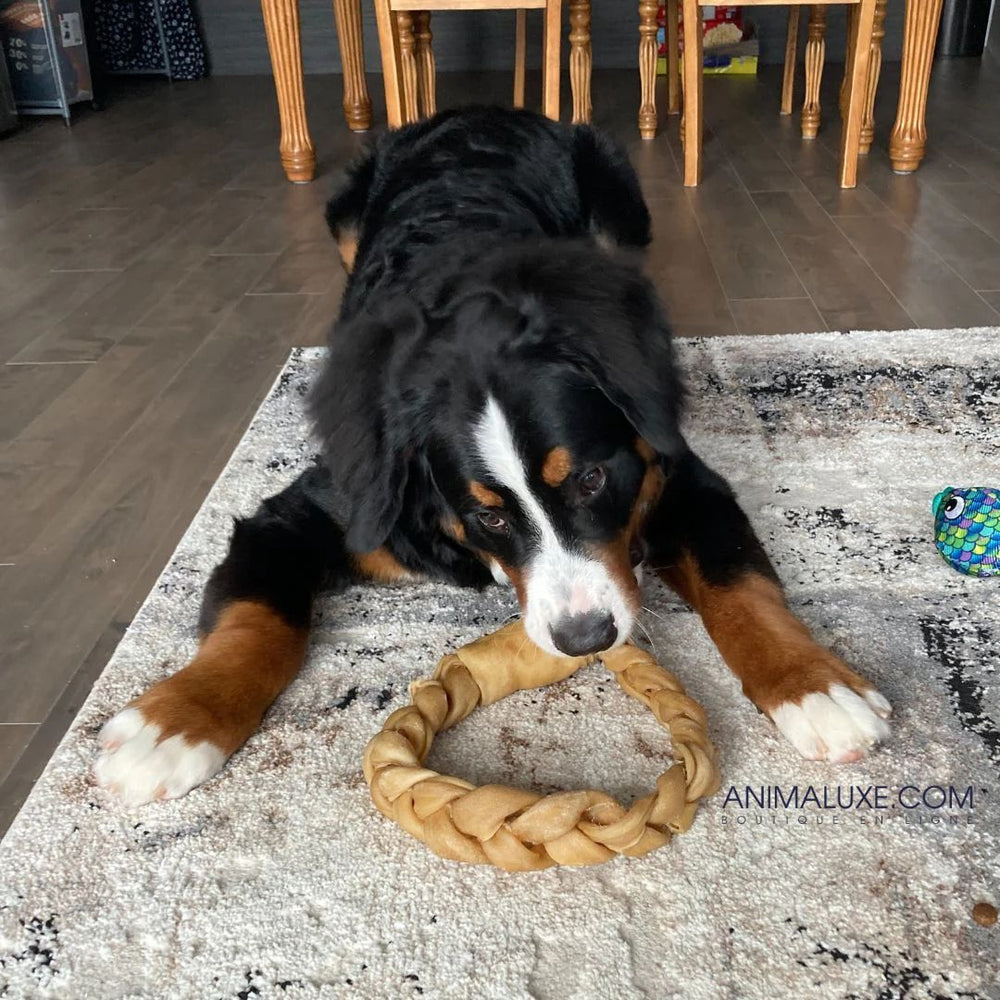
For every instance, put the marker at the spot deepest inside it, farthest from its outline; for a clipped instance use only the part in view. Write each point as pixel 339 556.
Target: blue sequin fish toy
pixel 967 529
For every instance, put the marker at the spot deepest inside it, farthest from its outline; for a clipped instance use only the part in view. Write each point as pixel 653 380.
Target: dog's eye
pixel 492 521
pixel 593 481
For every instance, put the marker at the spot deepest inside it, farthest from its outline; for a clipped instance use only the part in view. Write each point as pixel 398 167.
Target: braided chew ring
pixel 519 830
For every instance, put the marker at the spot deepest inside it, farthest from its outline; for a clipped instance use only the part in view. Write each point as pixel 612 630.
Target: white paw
pixel 138 769
pixel 838 727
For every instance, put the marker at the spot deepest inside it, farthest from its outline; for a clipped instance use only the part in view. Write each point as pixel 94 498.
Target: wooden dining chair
pixel 854 94
pixel 404 35
pixel 281 25
pixel 815 54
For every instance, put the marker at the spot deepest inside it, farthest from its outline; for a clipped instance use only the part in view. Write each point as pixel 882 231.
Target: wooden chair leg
pixel 693 76
pixel 388 39
pixel 426 72
pixel 357 103
pixel 874 71
pixel 815 54
pixel 852 35
pixel 281 23
pixel 551 42
pixel 909 134
pixel 520 50
pixel 681 132
pixel 580 60
pixel 407 63
pixel 791 54
pixel 858 59
pixel 673 67
pixel 647 68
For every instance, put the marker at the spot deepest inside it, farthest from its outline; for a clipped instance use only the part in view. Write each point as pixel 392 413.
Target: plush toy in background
pixel 967 529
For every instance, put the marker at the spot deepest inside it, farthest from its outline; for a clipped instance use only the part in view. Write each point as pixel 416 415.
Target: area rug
pixel 278 878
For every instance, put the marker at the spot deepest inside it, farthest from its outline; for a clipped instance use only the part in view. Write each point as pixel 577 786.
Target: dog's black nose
pixel 579 635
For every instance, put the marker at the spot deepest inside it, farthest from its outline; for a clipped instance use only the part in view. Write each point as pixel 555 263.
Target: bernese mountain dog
pixel 500 403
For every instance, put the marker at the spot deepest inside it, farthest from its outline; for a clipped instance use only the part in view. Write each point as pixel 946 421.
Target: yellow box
pixel 739 59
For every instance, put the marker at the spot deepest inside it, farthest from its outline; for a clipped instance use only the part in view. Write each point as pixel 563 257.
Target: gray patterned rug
pixel 278 879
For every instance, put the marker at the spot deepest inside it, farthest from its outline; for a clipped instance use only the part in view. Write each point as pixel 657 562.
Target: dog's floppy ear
pixel 648 392
pixel 638 375
pixel 366 420
pixel 600 318
pixel 345 209
pixel 609 189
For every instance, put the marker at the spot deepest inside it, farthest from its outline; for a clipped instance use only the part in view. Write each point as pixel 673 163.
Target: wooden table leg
pixel 909 136
pixel 673 69
pixel 580 60
pixel 874 71
pixel 647 68
pixel 815 54
pixel 791 54
pixel 426 71
pixel 407 64
pixel 357 104
pixel 281 23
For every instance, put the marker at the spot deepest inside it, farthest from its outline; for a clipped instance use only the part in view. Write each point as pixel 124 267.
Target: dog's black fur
pixel 482 261
pixel 482 177
pixel 500 401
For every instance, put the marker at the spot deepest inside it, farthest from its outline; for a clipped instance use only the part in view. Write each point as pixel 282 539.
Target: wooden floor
pixel 155 268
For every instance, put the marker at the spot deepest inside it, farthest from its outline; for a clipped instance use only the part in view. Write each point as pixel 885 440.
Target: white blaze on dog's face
pixel 558 523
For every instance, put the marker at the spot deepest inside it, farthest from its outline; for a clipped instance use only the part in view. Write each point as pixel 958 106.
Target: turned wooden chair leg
pixel 791 52
pixel 281 23
pixel 407 64
pixel 858 58
pixel 580 60
pixel 874 71
pixel 815 54
pixel 909 134
pixel 388 37
pixel 647 68
pixel 692 68
pixel 520 50
pixel 551 41
pixel 357 103
pixel 426 72
pixel 673 67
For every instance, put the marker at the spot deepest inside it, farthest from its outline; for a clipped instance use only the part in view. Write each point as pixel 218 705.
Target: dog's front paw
pixel 827 711
pixel 140 761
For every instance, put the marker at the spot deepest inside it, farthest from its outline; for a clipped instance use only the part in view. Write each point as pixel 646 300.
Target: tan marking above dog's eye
pixel 484 495
pixel 646 451
pixel 557 466
pixel 453 526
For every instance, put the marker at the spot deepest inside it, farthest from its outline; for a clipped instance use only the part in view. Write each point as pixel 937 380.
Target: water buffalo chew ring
pixel 520 830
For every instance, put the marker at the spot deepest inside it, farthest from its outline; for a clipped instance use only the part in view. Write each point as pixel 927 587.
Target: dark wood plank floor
pixel 155 268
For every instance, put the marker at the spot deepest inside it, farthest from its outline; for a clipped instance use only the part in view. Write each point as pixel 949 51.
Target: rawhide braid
pixel 520 830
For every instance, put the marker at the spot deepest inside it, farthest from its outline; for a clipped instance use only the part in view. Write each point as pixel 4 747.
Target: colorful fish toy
pixel 967 529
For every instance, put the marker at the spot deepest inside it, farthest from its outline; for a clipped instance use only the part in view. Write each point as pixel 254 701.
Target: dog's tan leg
pixel 704 547
pixel 255 626
pixel 183 729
